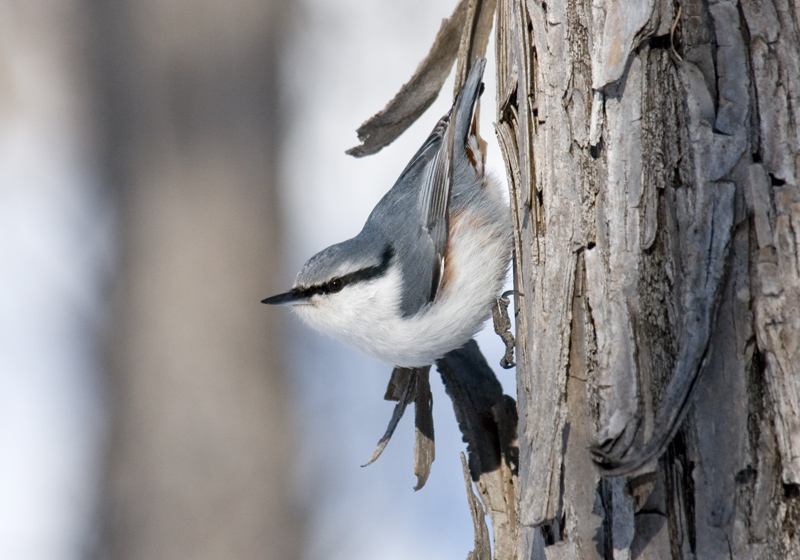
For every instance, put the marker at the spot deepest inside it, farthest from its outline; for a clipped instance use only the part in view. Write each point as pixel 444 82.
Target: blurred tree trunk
pixel 653 150
pixel 198 465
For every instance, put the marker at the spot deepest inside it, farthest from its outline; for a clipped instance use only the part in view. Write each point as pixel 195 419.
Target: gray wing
pixel 438 184
pixel 419 235
pixel 435 204
pixel 428 179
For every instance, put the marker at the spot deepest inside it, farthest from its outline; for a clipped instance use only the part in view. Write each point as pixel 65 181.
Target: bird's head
pixel 336 282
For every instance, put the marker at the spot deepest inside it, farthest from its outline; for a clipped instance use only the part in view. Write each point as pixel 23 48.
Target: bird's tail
pixel 466 101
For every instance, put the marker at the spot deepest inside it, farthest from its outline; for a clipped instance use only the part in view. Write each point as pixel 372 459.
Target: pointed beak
pixel 287 298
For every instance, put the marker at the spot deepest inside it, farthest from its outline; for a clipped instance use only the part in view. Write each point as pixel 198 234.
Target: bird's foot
pixel 502 326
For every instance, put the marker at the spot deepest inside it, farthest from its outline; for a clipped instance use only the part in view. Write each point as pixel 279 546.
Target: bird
pixel 420 278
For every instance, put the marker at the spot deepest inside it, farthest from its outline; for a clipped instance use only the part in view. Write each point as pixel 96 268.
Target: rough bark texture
pixel 653 153
pixel 201 449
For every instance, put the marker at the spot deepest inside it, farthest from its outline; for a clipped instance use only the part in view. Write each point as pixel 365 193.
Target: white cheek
pixel 359 315
pixel 338 311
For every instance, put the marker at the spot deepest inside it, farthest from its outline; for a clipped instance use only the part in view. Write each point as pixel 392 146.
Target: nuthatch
pixel 421 277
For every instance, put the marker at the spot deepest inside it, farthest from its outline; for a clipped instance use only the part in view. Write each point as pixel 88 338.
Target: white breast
pixel 366 316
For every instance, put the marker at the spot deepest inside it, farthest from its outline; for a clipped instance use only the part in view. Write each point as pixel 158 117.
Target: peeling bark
pixel 653 152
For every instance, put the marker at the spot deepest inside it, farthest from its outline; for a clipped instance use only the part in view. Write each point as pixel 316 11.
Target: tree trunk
pixel 199 464
pixel 653 151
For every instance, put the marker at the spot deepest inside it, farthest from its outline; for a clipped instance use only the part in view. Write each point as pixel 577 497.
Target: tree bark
pixel 653 154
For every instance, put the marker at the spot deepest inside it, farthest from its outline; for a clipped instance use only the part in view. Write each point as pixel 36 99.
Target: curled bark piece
pixel 704 229
pixel 418 93
pixel 474 38
pixel 407 392
pixel 398 383
pixel 483 550
pixel 424 450
pixel 706 244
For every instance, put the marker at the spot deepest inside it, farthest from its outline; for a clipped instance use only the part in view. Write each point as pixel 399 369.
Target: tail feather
pixel 467 100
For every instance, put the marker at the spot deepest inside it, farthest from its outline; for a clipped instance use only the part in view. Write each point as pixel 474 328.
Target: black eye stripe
pixel 363 275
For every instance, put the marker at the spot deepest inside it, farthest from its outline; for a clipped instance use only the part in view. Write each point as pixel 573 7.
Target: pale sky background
pixel 57 243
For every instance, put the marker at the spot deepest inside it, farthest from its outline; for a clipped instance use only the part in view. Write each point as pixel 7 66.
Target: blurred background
pixel 164 166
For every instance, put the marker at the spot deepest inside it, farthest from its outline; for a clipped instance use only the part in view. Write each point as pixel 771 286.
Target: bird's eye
pixel 335 285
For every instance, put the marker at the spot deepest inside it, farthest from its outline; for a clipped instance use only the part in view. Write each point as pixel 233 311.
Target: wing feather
pixel 428 180
pixel 435 203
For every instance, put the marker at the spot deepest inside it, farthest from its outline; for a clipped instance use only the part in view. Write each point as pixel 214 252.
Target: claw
pixel 502 326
